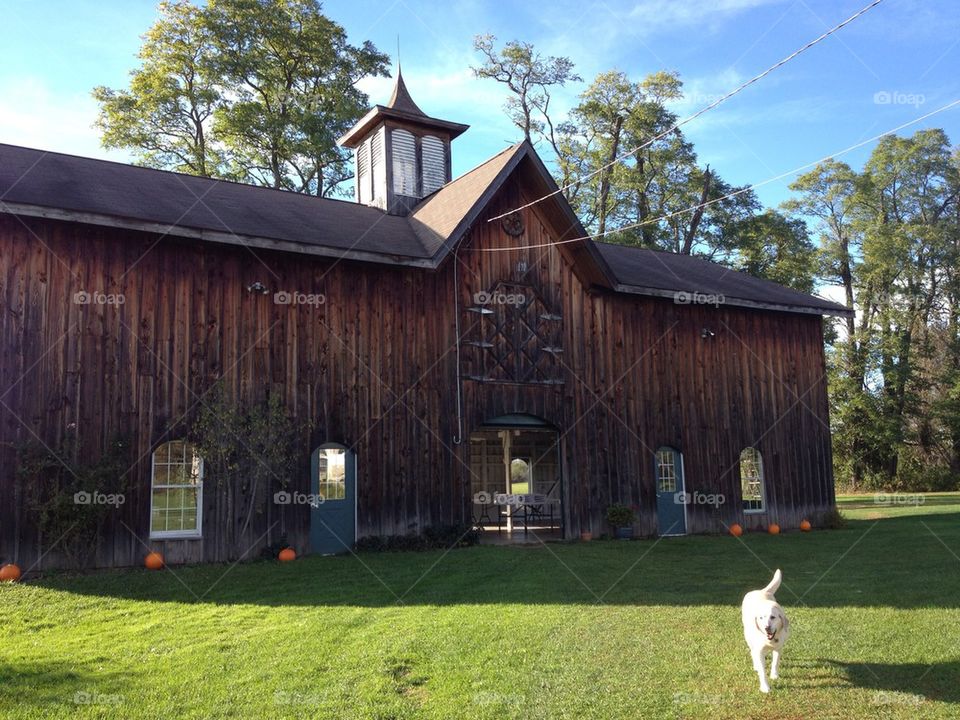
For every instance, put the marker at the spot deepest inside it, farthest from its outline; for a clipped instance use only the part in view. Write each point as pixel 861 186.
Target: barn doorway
pixel 333 499
pixel 516 483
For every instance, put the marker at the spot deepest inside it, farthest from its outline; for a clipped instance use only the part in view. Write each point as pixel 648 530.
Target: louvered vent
pixel 404 163
pixel 434 163
pixel 364 191
pixel 379 164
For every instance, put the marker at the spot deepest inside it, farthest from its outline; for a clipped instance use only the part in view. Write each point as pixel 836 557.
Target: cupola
pixel 400 153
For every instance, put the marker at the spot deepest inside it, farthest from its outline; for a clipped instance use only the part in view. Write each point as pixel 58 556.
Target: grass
pixel 639 629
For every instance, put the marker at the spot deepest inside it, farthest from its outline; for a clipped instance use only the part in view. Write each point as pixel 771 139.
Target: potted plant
pixel 621 519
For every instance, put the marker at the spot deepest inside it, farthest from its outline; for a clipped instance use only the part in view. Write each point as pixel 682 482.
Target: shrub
pixel 620 516
pixel 832 519
pixel 441 537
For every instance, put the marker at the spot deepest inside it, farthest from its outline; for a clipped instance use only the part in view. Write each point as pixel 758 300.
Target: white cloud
pixel 33 115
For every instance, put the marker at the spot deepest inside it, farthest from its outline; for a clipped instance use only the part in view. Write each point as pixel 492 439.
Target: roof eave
pixel 355 135
pixel 216 236
pixel 835 311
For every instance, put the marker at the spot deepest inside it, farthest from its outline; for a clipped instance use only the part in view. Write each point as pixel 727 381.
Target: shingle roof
pixel 653 272
pixel 109 193
pixel 100 187
pixel 401 100
pixel 437 217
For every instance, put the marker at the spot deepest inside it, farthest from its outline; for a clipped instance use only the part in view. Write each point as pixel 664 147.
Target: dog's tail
pixel 775 583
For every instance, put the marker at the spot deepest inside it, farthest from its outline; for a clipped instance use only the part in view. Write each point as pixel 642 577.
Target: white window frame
pixel 761 478
pixel 176 534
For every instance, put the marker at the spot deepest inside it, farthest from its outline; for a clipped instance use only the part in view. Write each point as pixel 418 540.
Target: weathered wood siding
pixel 375 366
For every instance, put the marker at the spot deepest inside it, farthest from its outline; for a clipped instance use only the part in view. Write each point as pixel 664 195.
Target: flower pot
pixel 586 536
pixel 624 533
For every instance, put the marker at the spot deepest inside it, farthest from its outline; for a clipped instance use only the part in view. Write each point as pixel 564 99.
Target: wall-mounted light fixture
pixel 707 333
pixel 258 287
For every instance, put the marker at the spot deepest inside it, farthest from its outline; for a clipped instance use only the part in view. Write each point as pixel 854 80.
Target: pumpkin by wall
pixel 805 525
pixel 773 529
pixel 287 555
pixel 9 573
pixel 736 530
pixel 153 561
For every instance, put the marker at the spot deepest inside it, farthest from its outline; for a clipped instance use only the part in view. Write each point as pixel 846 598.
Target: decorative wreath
pixel 513 225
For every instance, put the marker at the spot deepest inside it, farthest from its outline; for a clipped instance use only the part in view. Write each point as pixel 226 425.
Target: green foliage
pixel 249 451
pixel 250 90
pixel 620 516
pixel 777 248
pixel 831 520
pixel 70 498
pixel 890 236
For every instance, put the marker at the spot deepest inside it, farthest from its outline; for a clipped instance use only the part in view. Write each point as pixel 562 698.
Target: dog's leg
pixel 759 657
pixel 774 665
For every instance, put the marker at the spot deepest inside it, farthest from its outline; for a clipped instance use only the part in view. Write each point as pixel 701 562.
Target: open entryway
pixel 516 480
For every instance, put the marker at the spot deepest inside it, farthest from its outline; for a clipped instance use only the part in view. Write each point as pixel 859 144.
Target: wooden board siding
pixel 374 368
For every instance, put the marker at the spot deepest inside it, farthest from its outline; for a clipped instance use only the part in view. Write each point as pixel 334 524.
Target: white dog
pixel 765 628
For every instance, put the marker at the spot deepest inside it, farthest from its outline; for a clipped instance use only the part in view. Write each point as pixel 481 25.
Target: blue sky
pixel 896 63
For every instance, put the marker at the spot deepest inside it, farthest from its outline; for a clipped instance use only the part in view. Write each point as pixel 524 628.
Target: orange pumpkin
pixel 805 525
pixel 9 573
pixel 736 530
pixel 153 561
pixel 773 529
pixel 287 554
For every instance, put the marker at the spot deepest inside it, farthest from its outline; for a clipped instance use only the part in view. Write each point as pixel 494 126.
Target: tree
pixel 165 115
pixel 250 90
pixel 529 76
pixel 778 248
pixel 294 76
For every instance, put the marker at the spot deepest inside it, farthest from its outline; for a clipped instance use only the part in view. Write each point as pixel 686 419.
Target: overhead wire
pixel 684 121
pixel 735 193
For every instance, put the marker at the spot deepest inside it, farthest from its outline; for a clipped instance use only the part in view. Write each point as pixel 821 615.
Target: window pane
pixel 751 479
pixel 176 494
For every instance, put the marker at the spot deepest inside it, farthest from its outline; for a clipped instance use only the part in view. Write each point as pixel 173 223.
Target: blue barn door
pixel 671 498
pixel 333 512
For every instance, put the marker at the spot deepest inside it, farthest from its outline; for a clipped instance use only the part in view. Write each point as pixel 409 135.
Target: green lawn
pixel 587 630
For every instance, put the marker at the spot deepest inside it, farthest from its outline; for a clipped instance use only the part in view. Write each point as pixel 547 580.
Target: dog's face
pixel 770 623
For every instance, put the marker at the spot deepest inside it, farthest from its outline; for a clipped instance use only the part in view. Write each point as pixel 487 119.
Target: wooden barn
pixel 451 370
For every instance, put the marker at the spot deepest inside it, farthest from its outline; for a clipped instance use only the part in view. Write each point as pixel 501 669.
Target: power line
pixel 740 191
pixel 697 114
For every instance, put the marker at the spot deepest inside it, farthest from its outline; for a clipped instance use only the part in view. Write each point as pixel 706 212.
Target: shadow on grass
pixel 51 685
pixel 886 563
pixel 907 684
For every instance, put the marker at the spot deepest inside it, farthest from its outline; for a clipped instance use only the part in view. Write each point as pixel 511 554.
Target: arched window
pixel 751 480
pixel 176 493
